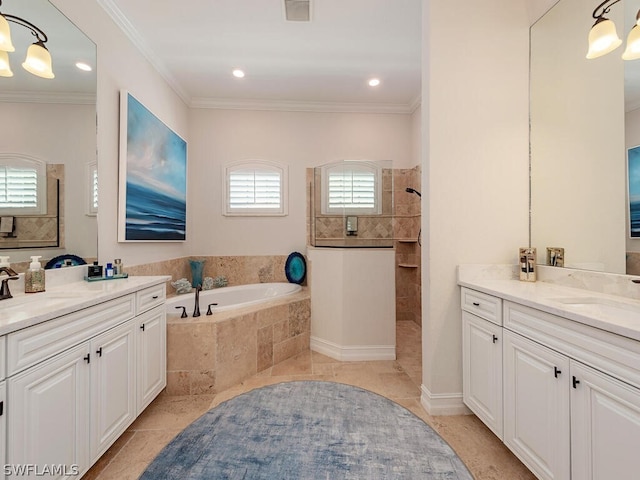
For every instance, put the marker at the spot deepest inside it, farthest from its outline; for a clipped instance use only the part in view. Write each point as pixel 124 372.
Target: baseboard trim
pixel 443 403
pixel 353 353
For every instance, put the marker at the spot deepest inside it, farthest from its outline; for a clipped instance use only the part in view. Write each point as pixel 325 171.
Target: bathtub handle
pixel 184 312
pixel 209 312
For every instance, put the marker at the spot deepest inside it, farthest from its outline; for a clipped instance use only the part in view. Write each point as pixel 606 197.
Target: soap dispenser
pixel 34 277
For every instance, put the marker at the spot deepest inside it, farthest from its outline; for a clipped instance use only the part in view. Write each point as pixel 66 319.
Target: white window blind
pixel 255 189
pixel 352 188
pixel 92 189
pixel 18 188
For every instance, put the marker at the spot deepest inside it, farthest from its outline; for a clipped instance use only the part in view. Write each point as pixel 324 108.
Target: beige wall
pixel 296 139
pixel 475 165
pixel 122 66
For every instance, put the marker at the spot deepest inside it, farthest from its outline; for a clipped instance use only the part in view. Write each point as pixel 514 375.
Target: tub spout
pixel 196 310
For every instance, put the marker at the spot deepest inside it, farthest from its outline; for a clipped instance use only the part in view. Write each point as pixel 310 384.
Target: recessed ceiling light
pixel 238 73
pixel 374 82
pixel 84 66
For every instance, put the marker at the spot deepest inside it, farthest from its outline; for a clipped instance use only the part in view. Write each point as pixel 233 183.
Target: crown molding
pixel 49 97
pixel 132 34
pixel 294 106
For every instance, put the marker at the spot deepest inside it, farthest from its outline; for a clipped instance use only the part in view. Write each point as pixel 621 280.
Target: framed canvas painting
pixel 152 203
pixel 633 185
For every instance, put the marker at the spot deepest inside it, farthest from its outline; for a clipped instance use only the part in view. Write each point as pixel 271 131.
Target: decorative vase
pixel 197 266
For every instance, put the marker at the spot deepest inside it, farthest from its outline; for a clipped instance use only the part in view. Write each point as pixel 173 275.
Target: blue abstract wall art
pixel 633 180
pixel 153 177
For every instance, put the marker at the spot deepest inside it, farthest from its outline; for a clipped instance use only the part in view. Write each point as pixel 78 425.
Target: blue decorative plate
pixel 296 268
pixel 58 261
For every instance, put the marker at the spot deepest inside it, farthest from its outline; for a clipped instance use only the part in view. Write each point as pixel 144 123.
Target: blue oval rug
pixel 308 430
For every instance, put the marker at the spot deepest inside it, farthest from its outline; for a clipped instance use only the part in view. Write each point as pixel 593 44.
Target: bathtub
pixel 229 298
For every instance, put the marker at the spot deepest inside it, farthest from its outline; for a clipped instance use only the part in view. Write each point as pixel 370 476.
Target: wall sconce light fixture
pixel 603 37
pixel 38 60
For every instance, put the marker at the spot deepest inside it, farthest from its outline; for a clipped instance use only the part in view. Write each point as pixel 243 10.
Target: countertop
pixel 586 307
pixel 28 309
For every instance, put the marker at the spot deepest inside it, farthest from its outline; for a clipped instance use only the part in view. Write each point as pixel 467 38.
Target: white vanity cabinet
pixel 73 381
pixel 3 405
pixel 482 357
pixel 571 392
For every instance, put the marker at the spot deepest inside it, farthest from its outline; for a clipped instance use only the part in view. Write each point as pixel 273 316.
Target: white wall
pixel 475 165
pixel 296 139
pixel 121 66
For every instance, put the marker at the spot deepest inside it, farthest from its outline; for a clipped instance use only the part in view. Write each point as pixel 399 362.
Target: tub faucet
pixel 196 310
pixel 4 290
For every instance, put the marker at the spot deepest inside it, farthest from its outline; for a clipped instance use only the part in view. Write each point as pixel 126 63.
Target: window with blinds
pixel 92 188
pixel 351 187
pixel 256 188
pixel 22 186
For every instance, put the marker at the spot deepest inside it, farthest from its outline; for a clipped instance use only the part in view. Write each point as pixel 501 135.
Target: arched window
pixel 23 185
pixel 255 188
pixel 351 187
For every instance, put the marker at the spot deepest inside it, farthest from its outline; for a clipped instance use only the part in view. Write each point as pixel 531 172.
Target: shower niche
pixel 351 204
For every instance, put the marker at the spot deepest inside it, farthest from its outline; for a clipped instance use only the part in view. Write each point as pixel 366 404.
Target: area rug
pixel 308 430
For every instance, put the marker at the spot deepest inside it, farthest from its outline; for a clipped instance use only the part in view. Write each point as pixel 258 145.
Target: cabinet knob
pixel 87 358
pixel 575 381
pixel 495 339
pixel 99 352
pixel 557 372
pixel 142 327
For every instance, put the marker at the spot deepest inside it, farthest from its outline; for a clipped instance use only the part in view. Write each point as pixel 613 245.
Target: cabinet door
pixel 3 426
pixel 152 356
pixel 605 426
pixel 482 370
pixel 113 387
pixel 49 419
pixel 536 406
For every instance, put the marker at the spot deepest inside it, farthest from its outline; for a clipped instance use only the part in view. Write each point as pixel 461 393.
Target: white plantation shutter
pixel 22 186
pixel 18 187
pixel 255 189
pixel 351 187
pixel 92 188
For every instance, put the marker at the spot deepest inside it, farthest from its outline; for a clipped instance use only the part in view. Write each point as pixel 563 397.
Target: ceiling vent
pixel 297 10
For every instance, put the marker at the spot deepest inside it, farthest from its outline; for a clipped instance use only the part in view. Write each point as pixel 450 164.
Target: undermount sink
pixel 602 306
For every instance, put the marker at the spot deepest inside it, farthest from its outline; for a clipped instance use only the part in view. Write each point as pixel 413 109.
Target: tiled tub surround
pixel 239 270
pixel 208 354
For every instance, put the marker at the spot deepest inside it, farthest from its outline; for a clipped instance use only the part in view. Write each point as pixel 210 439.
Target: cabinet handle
pixel 575 381
pixel 495 339
pixel 87 358
pixel 1 408
pixel 557 372
pixel 142 327
pixel 476 304
pixel 155 297
pixel 99 352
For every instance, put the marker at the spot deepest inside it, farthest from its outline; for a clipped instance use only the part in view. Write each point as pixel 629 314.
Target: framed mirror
pixel 52 122
pixel 578 154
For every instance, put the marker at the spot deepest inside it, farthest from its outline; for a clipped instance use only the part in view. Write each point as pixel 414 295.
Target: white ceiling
pixel 324 63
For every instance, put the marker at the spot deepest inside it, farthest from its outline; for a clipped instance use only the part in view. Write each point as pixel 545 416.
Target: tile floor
pixel 485 456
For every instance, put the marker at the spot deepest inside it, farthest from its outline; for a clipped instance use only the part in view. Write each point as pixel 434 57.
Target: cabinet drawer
pixel 482 305
pixel 150 297
pixel 34 344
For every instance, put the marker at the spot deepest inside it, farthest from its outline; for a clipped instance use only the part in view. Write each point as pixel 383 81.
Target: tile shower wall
pixel 405 227
pixel 407 213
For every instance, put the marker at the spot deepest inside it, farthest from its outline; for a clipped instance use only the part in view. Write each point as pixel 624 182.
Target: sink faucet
pixel 4 290
pixel 196 310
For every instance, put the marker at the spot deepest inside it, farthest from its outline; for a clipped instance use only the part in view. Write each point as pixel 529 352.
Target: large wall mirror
pixel 53 122
pixel 578 144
